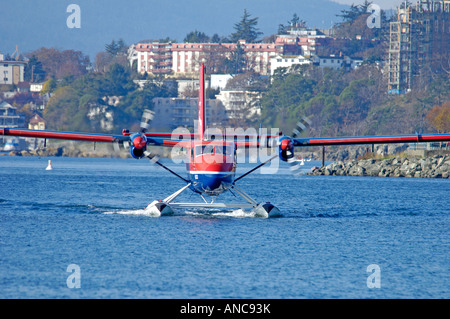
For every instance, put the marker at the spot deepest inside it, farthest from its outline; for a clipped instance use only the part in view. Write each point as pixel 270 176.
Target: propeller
pixel 136 141
pixel 301 126
pixel 147 118
pixel 287 145
pixel 154 158
pixel 121 143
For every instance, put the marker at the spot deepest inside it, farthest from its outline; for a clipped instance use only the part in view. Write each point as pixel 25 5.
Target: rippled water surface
pixel 90 213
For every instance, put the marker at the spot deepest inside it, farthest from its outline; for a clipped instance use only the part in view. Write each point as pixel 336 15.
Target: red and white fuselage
pixel 212 164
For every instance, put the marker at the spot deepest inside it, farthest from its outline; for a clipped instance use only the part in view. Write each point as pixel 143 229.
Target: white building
pixel 219 81
pixel 152 57
pixel 36 87
pixel 171 113
pixel 287 61
pixel 240 104
pixel 184 59
pixel 336 62
pixel 12 72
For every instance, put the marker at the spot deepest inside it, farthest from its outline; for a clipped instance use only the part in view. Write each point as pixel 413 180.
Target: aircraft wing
pixel 87 137
pixel 388 139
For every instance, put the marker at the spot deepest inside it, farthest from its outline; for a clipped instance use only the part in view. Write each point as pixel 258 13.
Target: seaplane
pixel 212 158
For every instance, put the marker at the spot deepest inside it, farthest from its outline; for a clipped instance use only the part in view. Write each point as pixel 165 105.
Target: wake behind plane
pixel 212 160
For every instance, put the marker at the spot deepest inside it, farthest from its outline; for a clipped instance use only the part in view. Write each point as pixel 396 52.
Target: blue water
pixel 90 212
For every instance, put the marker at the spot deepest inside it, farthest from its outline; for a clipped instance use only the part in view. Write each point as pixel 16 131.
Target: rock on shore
pixel 433 167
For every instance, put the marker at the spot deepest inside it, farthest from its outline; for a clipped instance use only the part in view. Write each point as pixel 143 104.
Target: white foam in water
pixel 137 212
pixel 239 213
pixel 236 213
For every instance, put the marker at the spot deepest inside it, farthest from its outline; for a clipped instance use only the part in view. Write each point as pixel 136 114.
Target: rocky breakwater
pixel 433 167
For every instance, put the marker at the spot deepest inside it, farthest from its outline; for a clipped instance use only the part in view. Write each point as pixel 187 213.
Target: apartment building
pixel 171 113
pixel 11 72
pixel 184 59
pixel 286 61
pixel 419 42
pixel 152 57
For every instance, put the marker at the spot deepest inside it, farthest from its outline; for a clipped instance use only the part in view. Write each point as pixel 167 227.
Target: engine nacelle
pixel 285 148
pixel 138 145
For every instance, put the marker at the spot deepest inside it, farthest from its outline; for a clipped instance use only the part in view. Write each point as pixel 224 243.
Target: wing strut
pixel 155 160
pixel 255 168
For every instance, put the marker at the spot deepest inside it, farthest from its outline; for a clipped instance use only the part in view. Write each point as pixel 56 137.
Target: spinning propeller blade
pixel 152 157
pixel 121 144
pixel 294 165
pixel 300 127
pixel 147 118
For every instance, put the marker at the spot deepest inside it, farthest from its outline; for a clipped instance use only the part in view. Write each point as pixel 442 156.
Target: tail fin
pixel 202 104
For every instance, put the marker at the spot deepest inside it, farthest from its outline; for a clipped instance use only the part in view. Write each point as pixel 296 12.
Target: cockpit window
pixel 214 149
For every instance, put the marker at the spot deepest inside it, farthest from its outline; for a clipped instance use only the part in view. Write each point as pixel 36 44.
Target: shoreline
pixel 437 166
pixel 401 165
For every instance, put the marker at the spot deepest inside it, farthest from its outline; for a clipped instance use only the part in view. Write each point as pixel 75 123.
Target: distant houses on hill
pixel 299 46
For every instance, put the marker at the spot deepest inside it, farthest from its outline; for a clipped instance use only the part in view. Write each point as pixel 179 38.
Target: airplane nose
pixel 285 144
pixel 139 142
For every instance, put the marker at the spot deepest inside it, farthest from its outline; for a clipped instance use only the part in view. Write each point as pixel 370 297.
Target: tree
pixel 115 48
pixel 34 71
pixel 216 38
pixel 295 22
pixel 59 64
pixel 49 86
pixel 196 37
pixel 281 103
pixel 439 117
pixel 246 29
pixel 238 60
pixel 350 15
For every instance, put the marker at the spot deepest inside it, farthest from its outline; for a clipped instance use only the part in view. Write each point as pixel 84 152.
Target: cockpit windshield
pixel 212 149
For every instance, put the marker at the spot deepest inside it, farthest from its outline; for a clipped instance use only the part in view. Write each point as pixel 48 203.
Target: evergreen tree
pixel 246 29
pixel 196 37
pixel 114 48
pixel 34 71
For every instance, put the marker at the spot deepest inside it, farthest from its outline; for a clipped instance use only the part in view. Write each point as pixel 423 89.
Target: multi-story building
pixel 419 42
pixel 9 117
pixel 184 59
pixel 286 61
pixel 153 57
pixel 240 105
pixel 187 57
pixel 11 72
pixel 171 113
pixel 300 40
